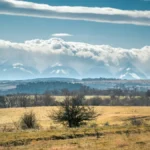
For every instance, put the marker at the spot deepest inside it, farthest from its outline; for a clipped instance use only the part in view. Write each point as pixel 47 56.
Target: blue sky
pixel 21 28
pixel 108 38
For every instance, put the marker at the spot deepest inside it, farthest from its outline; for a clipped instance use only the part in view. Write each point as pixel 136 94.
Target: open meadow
pixel 111 130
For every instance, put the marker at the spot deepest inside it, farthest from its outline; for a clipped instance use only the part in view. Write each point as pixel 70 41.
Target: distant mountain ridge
pixel 130 72
pixel 18 71
pixel 58 70
pixel 58 58
pixel 57 85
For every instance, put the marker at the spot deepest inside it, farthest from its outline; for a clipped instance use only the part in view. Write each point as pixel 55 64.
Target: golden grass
pixel 107 142
pixel 113 115
pixel 114 137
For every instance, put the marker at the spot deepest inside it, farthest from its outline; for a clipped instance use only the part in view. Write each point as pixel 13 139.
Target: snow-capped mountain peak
pixel 17 71
pixel 58 70
pixel 57 64
pixel 130 72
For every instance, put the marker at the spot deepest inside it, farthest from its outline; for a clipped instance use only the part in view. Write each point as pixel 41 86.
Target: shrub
pixel 106 124
pixel 29 121
pixel 136 122
pixel 73 113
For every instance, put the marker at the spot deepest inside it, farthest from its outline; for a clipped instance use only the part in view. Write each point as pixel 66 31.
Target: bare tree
pixel 35 100
pixel 48 99
pixel 24 100
pixel 147 97
pixel 20 100
pixel 12 101
pixel 2 102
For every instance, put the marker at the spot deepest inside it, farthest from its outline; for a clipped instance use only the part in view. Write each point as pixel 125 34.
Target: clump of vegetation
pixel 6 128
pixel 106 124
pixel 29 121
pixel 73 113
pixel 93 125
pixel 136 122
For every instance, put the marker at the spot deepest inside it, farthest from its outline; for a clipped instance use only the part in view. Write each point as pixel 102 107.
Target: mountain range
pixel 19 71
pixel 58 58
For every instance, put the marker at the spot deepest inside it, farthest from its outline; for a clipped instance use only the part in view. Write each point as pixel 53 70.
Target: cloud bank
pixel 83 57
pixel 95 14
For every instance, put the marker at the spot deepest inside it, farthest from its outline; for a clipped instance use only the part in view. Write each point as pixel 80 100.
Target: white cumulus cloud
pixel 96 14
pixel 81 56
pixel 61 34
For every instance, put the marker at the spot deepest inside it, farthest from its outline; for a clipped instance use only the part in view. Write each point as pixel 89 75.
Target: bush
pixel 106 124
pixel 28 121
pixel 73 113
pixel 136 122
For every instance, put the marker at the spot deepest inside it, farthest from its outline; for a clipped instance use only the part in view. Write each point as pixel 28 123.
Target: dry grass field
pixel 113 115
pixel 118 134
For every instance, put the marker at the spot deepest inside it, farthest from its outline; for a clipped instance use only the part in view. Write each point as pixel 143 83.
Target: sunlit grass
pixel 113 115
pixel 113 123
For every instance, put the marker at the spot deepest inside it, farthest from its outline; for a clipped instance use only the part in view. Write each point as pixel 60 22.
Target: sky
pixel 87 38
pixel 18 24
